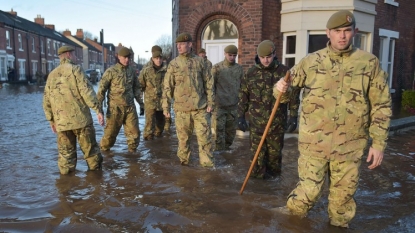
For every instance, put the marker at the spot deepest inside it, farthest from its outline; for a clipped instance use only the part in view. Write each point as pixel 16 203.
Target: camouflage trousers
pixel 67 149
pixel 224 122
pixel 117 117
pixel 186 123
pixel 344 177
pixel 269 157
pixel 155 122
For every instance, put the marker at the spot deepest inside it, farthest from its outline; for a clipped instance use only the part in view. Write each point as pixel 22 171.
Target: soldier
pixel 151 84
pixel 227 76
pixel 202 53
pixel 346 100
pixel 257 99
pixel 120 83
pixel 93 76
pixel 67 98
pixel 39 77
pixel 190 85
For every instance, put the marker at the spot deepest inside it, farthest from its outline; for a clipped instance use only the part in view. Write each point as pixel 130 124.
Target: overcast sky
pixel 134 23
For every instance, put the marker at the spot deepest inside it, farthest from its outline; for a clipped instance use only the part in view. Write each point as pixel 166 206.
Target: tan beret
pixel 156 51
pixel 124 52
pixel 341 19
pixel 201 50
pixel 184 37
pixel 65 49
pixel 265 48
pixel 231 49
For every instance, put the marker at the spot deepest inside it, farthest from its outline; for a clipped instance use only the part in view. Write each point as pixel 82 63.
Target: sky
pixel 134 23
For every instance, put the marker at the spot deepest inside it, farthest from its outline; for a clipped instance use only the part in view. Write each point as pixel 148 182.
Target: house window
pixel 42 48
pixel 55 50
pixel 220 29
pixel 387 51
pixel 3 70
pixel 50 66
pixel 48 46
pixel 359 41
pixel 33 45
pixel 20 42
pixel 8 40
pixel 22 69
pixel 317 42
pixel 289 49
pixel 392 2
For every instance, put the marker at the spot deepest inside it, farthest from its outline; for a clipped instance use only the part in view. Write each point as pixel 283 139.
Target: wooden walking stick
pixel 274 110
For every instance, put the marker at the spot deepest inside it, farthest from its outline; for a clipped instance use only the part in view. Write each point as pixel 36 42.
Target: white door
pixel 214 49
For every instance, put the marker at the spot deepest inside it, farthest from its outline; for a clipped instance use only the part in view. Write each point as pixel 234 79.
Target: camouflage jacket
pixel 151 84
pixel 346 99
pixel 227 78
pixel 189 83
pixel 68 97
pixel 208 63
pixel 122 86
pixel 256 98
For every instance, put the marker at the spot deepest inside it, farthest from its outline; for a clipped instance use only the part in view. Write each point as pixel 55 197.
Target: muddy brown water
pixel 149 191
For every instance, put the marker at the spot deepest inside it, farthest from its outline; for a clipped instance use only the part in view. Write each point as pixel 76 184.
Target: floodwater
pixel 148 191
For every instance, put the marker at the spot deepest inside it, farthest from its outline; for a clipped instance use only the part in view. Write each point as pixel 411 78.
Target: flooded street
pixel 149 191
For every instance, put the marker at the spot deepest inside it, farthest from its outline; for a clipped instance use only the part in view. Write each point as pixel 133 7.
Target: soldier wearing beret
pixel 345 102
pixel 151 83
pixel 67 100
pixel 120 84
pixel 257 99
pixel 189 83
pixel 227 76
pixel 202 53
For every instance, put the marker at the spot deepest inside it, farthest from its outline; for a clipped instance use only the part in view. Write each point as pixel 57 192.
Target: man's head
pixel 184 43
pixel 67 52
pixel 201 52
pixel 157 55
pixel 266 52
pixel 231 51
pixel 124 56
pixel 341 28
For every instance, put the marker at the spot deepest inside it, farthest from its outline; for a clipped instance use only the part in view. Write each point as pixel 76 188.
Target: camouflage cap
pixel 231 49
pixel 124 52
pixel 265 48
pixel 184 37
pixel 201 50
pixel 156 51
pixel 65 49
pixel 343 18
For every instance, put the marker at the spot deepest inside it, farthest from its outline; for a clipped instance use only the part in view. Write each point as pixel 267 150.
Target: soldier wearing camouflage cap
pixel 341 110
pixel 67 100
pixel 120 85
pixel 189 85
pixel 202 53
pixel 227 76
pixel 256 99
pixel 151 83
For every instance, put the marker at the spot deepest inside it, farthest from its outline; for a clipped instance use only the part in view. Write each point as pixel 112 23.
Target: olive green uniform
pixel 121 85
pixel 67 100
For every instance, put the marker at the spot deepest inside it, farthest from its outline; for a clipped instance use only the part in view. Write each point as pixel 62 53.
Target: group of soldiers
pixel 345 102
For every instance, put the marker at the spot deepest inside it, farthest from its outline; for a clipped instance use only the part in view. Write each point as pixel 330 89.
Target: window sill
pixel 392 2
pixel 392 91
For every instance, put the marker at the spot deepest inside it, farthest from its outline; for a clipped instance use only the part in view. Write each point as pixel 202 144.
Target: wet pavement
pixel 149 191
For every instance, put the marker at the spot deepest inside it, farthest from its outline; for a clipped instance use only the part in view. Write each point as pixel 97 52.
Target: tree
pixel 166 44
pixel 89 35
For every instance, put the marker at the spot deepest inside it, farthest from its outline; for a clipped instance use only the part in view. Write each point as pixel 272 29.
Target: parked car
pixel 88 73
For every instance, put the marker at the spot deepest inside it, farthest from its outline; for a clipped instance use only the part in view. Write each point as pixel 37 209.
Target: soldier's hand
pixel 166 114
pixel 242 125
pixel 292 124
pixel 52 126
pixel 141 111
pixel 101 119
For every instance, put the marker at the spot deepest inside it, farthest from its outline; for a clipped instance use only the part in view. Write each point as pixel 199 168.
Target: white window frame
pixel 50 66
pixel 48 46
pixel 20 42
pixel 392 2
pixel 22 69
pixel 42 47
pixel 387 37
pixel 8 43
pixel 284 47
pixel 33 45
pixel 3 66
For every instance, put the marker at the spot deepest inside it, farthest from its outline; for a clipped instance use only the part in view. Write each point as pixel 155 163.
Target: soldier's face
pixel 341 38
pixel 266 60
pixel 231 58
pixel 123 60
pixel 202 55
pixel 73 57
pixel 157 61
pixel 184 47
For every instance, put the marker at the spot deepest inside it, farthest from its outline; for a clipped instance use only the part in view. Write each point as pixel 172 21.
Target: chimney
pixel 96 39
pixel 14 13
pixel 39 20
pixel 67 32
pixel 80 33
pixel 50 26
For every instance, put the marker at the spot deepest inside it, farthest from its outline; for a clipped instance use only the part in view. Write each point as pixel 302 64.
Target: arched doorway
pixel 216 36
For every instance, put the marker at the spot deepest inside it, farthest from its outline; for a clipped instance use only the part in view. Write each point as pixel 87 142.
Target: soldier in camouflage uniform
pixel 93 76
pixel 202 53
pixel 67 98
pixel 39 77
pixel 190 85
pixel 227 76
pixel 257 99
pixel 151 84
pixel 120 83
pixel 346 101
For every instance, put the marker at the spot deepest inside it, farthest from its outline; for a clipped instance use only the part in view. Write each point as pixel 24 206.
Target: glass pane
pixel 317 42
pixel 391 47
pixel 289 62
pixel 381 50
pixel 220 29
pixel 291 40
pixel 359 41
